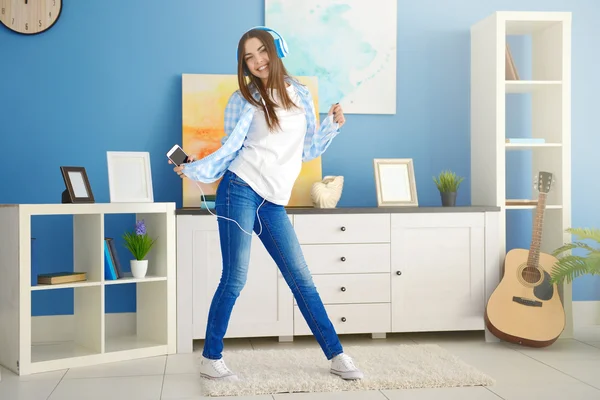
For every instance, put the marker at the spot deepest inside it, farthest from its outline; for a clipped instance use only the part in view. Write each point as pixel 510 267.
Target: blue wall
pixel 108 77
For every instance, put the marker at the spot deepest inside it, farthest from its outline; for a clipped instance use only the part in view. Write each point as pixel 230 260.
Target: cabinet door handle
pixel 343 228
pixel 343 289
pixel 343 319
pixel 398 272
pixel 343 258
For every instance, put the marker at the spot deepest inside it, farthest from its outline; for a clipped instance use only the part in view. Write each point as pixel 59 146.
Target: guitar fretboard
pixel 536 237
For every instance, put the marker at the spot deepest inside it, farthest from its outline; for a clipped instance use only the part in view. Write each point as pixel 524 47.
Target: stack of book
pixel 56 278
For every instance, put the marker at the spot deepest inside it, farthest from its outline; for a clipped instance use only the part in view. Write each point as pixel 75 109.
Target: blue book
pixel 115 257
pixel 110 273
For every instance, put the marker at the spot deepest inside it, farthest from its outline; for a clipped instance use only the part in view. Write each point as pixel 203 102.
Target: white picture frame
pixel 395 182
pixel 129 177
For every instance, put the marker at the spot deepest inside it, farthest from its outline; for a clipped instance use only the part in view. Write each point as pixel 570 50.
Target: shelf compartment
pixel 538 47
pixel 149 331
pixel 81 339
pixel 77 234
pixel 115 226
pixel 535 115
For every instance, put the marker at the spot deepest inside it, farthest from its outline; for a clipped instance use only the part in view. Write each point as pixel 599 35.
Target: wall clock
pixel 29 17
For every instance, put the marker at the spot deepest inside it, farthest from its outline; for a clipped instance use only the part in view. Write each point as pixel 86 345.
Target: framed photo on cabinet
pixel 78 188
pixel 129 177
pixel 395 182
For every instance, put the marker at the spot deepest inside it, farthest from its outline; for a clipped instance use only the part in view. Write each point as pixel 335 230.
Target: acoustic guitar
pixel 526 308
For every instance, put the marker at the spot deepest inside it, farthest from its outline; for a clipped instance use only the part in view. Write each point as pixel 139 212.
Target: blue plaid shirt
pixel 238 117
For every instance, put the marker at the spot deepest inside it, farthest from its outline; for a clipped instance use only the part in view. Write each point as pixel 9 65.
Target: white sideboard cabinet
pixel 378 270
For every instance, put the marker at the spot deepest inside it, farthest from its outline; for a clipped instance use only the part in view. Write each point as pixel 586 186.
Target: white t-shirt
pixel 270 162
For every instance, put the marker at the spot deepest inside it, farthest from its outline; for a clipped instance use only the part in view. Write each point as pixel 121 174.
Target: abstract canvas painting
pixel 349 45
pixel 204 98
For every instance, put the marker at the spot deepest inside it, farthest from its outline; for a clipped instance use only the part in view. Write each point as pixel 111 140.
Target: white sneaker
pixel 216 369
pixel 343 366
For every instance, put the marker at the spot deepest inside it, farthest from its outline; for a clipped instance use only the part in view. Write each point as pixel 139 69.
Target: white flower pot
pixel 139 268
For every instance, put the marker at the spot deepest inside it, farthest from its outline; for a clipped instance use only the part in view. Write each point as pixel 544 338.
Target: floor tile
pixel 42 376
pixel 583 370
pixel 506 365
pixel 462 393
pixel 125 388
pixel 27 389
pixel 182 364
pixel 547 390
pixel 139 367
pixel 180 386
pixel 561 350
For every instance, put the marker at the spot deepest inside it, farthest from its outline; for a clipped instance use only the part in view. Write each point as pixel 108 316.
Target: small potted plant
pixel 570 266
pixel 139 244
pixel 447 183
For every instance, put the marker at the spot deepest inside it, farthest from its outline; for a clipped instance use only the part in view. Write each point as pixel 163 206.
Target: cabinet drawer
pixel 347 258
pixel 350 318
pixel 353 288
pixel 342 228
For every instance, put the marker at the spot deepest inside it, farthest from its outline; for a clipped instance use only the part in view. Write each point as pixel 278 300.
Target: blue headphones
pixel 280 44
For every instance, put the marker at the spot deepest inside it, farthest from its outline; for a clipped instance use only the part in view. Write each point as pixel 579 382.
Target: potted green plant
pixel 447 183
pixel 569 266
pixel 139 244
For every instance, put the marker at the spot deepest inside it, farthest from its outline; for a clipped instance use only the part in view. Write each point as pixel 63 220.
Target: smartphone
pixel 177 155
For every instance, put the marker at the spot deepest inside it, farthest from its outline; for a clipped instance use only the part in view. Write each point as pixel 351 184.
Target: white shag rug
pixel 307 370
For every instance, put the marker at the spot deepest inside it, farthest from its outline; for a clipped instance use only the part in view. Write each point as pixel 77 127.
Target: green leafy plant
pixel 448 182
pixel 571 266
pixel 138 242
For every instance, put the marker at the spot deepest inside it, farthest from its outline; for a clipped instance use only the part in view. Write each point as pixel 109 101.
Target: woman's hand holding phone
pixel 179 169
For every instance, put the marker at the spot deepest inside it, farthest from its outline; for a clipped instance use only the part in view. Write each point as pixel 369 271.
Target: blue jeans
pixel 238 201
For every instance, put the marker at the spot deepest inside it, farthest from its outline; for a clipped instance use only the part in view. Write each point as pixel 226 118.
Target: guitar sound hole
pixel 531 274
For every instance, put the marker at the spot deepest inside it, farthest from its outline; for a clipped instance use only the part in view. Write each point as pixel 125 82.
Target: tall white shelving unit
pixel 550 90
pixel 89 342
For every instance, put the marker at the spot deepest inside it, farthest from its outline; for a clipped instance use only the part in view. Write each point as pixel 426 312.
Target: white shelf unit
pixel 550 91
pixel 87 342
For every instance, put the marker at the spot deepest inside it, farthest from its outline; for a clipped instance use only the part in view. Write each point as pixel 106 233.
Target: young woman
pixel 271 128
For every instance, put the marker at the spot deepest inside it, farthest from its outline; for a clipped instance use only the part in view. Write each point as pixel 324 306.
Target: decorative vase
pixel 327 193
pixel 139 268
pixel 448 199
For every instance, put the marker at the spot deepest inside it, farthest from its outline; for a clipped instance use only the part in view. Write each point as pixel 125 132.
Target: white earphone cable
pixel 229 219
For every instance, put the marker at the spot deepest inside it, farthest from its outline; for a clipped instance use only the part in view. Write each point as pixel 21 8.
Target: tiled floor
pixel 569 369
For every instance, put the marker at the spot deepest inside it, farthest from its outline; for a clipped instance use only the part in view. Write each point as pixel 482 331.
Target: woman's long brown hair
pixel 277 73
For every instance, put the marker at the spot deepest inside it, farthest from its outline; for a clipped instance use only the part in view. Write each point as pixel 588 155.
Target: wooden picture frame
pixel 395 182
pixel 78 188
pixel 129 177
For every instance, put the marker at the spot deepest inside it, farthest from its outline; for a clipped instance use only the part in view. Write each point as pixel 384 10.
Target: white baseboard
pixel 61 328
pixel 586 313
